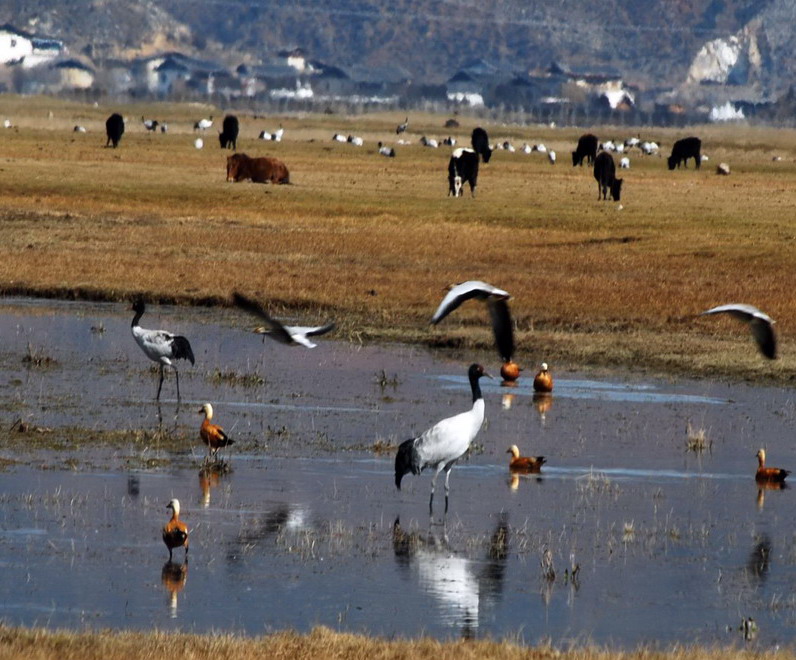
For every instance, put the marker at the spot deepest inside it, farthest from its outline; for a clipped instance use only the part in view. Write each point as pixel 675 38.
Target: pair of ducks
pixel 542 382
pixel 534 463
pixel 175 532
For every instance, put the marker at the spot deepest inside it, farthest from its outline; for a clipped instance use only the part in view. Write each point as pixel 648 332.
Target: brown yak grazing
pixel 260 170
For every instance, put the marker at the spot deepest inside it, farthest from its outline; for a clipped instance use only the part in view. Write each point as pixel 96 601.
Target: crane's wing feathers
pixel 502 327
pixel 319 330
pixel 760 323
pixel 181 348
pixel 277 330
pixel 763 333
pixel 463 292
pixel 740 311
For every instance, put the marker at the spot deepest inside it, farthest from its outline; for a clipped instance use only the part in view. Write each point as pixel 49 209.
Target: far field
pixel 371 242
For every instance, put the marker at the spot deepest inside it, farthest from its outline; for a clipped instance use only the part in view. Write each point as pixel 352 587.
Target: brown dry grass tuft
pixel 40 644
pixel 371 242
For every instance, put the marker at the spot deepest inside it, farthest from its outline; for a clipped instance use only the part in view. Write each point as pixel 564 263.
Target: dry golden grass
pixel 40 644
pixel 372 241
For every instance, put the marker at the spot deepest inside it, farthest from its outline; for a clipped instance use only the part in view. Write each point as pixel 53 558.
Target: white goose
pixel 444 443
pixel 160 346
pixel 285 334
pixel 760 323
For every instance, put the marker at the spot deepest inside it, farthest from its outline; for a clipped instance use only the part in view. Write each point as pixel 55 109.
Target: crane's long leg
pixel 433 485
pixel 160 384
pixel 177 375
pixel 447 486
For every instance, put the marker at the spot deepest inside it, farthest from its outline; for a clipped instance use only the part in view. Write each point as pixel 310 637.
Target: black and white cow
pixel 684 149
pixel 605 173
pixel 462 168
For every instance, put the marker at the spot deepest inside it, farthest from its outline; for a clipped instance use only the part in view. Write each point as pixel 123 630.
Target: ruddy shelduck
pixel 768 474
pixel 175 532
pixel 212 434
pixel 543 381
pixel 524 463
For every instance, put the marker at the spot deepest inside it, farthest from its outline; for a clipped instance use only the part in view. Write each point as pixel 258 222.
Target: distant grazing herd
pixel 463 163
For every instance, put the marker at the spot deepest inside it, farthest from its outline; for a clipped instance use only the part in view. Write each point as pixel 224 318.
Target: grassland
pixel 371 241
pixel 40 644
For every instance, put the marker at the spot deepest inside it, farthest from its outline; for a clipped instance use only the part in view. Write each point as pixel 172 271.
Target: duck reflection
pixel 461 586
pixel 516 477
pixel 763 486
pixel 542 402
pixel 209 478
pixel 507 400
pixel 173 577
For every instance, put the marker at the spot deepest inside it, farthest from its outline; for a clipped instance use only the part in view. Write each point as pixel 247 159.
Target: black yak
pixel 684 149
pixel 229 134
pixel 605 173
pixel 114 128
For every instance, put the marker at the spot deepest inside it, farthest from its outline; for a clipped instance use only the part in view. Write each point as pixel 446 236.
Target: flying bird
pixel 768 474
pixel 285 334
pixel 160 346
pixel 759 323
pixel 524 463
pixel 444 443
pixel 497 301
pixel 212 434
pixel 175 532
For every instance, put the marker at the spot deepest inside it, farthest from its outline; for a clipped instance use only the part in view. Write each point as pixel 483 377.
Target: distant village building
pixel 74 74
pixel 15 45
pixel 20 47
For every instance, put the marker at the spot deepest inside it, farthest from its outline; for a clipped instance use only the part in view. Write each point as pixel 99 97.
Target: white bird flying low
pixel 285 334
pixel 759 322
pixel 497 300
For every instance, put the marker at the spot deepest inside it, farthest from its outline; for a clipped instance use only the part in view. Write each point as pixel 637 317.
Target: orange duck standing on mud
pixel 212 434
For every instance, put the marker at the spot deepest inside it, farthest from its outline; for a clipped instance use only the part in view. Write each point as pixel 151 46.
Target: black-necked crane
pixel 285 334
pixel 150 125
pixel 203 124
pixel 760 323
pixel 175 532
pixel 160 346
pixel 444 443
pixel 384 150
pixel 401 128
pixel 497 301
pixel 212 434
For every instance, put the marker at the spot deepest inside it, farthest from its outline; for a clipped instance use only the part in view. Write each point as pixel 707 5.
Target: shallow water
pixel 307 528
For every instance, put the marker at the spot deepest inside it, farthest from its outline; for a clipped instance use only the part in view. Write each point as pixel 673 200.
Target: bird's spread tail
pixel 404 461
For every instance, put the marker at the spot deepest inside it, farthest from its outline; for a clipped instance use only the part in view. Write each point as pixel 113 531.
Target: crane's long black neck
pixel 475 386
pixel 137 317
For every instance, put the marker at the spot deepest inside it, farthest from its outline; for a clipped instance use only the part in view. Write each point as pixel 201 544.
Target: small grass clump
pixel 35 358
pixel 697 439
pixel 235 379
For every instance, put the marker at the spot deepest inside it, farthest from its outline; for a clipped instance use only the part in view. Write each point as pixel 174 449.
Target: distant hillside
pixel 654 43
